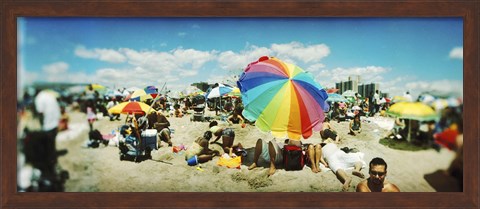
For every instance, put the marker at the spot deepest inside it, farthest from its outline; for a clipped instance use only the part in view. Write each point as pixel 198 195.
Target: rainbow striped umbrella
pixel 282 98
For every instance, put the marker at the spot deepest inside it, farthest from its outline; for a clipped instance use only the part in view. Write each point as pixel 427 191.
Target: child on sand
pixel 227 134
pixel 200 149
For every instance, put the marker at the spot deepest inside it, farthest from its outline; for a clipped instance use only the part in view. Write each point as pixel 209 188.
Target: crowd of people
pixel 49 111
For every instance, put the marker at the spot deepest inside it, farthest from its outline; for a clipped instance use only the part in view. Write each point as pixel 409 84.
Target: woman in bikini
pixel 227 135
pixel 327 132
pixel 235 119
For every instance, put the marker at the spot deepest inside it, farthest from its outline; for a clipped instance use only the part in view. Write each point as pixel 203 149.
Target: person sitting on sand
pixel 158 121
pixel 398 125
pixel 339 162
pixel 200 149
pixel 178 113
pixel 271 152
pixel 314 153
pixel 376 182
pixel 227 134
pixel 327 132
pixel 235 119
pixel 355 125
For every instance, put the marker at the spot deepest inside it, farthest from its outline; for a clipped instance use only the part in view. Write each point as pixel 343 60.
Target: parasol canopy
pixel 152 91
pixel 131 107
pixel 218 91
pixel 140 95
pixel 413 110
pixel 333 97
pixel 282 98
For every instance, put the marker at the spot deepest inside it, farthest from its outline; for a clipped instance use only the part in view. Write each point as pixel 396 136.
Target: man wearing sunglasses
pixel 376 182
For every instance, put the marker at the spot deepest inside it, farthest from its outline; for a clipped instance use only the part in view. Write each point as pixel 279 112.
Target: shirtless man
pixel 376 182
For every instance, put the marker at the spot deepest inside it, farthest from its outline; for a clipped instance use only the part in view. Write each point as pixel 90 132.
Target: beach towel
pixel 230 162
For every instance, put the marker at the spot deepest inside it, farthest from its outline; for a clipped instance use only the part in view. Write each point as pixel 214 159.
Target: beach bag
pixel 95 135
pixel 293 157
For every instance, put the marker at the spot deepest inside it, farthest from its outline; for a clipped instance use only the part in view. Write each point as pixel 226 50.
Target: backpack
pixel 95 135
pixel 293 157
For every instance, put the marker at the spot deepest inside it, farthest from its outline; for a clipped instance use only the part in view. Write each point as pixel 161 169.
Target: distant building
pixel 351 84
pixel 367 89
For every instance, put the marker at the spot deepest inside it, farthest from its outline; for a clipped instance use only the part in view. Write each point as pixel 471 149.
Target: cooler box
pixel 198 117
pixel 149 139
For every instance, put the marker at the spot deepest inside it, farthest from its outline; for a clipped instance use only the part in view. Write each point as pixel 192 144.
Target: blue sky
pixel 400 54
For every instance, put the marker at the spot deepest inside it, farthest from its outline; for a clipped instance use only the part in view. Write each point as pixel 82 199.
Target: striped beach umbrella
pixel 282 98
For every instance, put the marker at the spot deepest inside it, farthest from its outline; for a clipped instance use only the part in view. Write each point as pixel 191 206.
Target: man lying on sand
pixel 339 161
pixel 376 182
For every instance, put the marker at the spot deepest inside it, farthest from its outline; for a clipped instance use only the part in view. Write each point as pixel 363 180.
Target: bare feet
pixel 346 185
pixel 315 169
pixel 358 173
pixel 254 165
pixel 271 171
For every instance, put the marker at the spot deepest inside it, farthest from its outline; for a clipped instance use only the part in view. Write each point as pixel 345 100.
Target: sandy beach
pixel 100 169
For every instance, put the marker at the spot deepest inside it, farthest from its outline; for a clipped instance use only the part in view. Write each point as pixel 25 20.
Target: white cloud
pixel 369 74
pixel 453 87
pixel 83 52
pixel 107 55
pixel 55 68
pixel 456 53
pixel 181 34
pixel 298 51
pixel 315 67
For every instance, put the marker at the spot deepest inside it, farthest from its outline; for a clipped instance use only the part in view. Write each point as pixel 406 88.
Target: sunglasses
pixel 375 173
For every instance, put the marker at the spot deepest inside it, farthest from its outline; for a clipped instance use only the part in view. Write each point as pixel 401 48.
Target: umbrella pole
pixel 156 98
pixel 409 129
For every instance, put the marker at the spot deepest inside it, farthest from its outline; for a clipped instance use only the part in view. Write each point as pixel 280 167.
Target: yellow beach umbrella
pixel 413 111
pixel 131 107
pixel 235 92
pixel 140 95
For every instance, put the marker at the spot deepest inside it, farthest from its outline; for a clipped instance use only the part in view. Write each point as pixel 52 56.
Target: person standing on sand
pixel 48 110
pixel 376 182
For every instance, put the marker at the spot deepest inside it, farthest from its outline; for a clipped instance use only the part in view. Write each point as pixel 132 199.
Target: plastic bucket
pixel 192 161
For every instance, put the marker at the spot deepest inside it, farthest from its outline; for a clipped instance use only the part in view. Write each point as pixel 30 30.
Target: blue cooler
pixel 149 139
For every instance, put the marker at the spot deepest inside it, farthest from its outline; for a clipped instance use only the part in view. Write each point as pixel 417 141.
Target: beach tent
pixel 282 98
